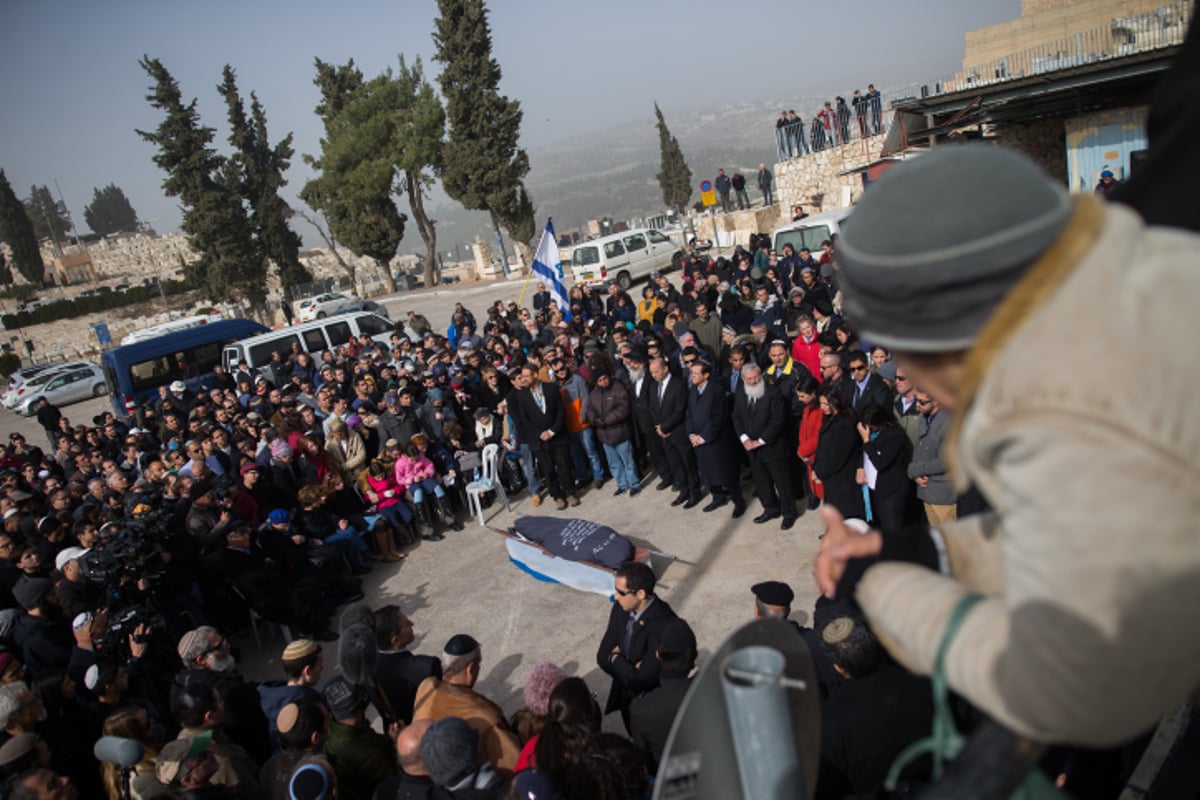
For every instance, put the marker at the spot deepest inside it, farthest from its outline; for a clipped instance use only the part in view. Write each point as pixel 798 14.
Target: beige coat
pixel 350 462
pixel 1078 423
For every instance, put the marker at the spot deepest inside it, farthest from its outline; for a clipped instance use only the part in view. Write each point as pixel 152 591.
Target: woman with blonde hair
pixel 132 722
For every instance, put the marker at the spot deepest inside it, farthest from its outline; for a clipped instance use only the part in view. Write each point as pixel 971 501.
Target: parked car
pixel 320 306
pixel 362 305
pixel 66 386
pixel 35 377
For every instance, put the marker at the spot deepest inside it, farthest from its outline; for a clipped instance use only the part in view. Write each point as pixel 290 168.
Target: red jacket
pixel 808 354
pixel 810 431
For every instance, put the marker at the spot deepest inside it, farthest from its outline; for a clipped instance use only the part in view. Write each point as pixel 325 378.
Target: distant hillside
pixel 610 172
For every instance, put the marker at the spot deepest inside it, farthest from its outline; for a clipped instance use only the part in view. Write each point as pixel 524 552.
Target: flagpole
pixel 529 274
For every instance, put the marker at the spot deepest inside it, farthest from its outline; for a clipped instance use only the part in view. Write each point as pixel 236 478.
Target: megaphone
pixel 750 725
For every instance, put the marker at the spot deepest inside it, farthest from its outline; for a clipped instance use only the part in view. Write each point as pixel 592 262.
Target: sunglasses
pixel 622 592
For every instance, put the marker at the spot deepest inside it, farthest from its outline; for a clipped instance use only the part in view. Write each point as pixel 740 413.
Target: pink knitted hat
pixel 539 685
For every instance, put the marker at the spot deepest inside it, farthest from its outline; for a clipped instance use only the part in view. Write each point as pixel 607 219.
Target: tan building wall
pixel 1044 21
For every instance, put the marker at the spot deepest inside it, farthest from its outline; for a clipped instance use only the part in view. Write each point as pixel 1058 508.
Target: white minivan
pixel 810 231
pixel 622 257
pixel 313 337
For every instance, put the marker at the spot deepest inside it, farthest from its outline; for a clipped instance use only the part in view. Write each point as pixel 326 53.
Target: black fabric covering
pixel 577 539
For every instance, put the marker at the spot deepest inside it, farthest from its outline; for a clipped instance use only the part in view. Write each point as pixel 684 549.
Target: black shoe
pixel 738 511
pixel 360 570
pixel 665 483
pixel 600 483
pixel 788 522
pixel 766 516
pixel 683 498
pixel 693 501
pixel 714 504
pixel 618 492
pixel 814 502
pixel 635 491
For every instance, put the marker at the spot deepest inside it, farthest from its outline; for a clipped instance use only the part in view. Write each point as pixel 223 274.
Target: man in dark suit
pixel 541 422
pixel 868 389
pixel 760 415
pixel 635 626
pixel 541 298
pixel 712 439
pixel 641 390
pixel 668 412
pixel 398 671
pixel 652 714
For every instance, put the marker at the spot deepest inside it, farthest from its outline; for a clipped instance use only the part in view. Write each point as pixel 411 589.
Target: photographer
pixel 208 520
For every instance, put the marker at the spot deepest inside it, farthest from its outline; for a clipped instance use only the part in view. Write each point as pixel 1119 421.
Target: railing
pixel 839 122
pixel 1121 37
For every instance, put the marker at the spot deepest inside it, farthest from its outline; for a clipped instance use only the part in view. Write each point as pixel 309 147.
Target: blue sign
pixel 102 334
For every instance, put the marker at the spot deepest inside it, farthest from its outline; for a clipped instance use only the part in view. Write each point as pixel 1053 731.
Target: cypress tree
pixel 49 221
pixel 17 231
pixel 674 175
pixel 483 164
pixel 261 169
pixel 209 188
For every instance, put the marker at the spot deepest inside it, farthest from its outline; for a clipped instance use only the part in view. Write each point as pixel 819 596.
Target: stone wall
pixel 813 181
pixel 1043 140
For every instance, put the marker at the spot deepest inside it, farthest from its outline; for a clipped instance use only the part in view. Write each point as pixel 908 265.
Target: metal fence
pixel 838 122
pixel 1164 27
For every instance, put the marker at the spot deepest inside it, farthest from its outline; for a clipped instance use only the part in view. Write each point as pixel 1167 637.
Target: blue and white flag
pixel 547 265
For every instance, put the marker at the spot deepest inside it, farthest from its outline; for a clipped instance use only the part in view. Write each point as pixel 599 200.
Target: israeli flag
pixel 548 266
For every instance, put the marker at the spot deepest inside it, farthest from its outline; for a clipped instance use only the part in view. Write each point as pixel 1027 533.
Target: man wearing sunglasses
pixel 628 650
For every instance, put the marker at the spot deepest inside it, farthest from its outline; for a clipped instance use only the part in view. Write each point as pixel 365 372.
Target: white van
pixel 622 257
pixel 810 231
pixel 313 337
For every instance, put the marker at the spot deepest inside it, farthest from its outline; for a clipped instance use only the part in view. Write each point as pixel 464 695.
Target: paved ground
pixel 466 584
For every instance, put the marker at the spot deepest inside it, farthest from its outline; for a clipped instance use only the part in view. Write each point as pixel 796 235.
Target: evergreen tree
pixel 110 212
pixel 356 172
pixel 50 220
pixel 6 276
pixel 674 176
pixel 519 220
pixel 417 151
pixel 483 165
pixel 17 231
pixel 209 188
pixel 261 169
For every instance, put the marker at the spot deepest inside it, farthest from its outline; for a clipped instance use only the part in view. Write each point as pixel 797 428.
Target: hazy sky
pixel 73 93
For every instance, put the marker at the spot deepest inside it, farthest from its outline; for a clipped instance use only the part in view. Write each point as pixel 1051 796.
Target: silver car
pixel 66 386
pixel 20 391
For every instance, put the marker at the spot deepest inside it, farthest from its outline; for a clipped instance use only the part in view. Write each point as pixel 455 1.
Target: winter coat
pixel 610 412
pixel 413 470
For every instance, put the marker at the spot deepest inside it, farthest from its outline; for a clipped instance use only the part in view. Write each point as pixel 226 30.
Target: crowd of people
pixel 278 491
pixel 133 548
pixel 837 122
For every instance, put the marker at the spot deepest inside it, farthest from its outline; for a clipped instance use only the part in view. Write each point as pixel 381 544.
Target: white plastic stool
pixel 489 481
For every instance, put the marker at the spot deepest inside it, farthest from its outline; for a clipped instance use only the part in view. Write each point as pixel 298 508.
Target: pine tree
pixel 6 276
pixel 110 212
pixel 674 176
pixel 209 188
pixel 483 165
pixel 17 231
pixel 356 171
pixel 261 168
pixel 418 148
pixel 50 221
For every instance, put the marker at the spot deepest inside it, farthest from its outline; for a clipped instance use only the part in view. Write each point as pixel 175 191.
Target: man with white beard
pixel 760 414
pixel 208 659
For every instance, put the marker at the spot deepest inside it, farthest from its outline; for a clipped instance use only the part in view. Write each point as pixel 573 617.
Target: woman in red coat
pixel 806 349
pixel 807 391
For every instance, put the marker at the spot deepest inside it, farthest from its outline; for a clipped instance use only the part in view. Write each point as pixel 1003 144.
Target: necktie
pixel 541 401
pixel 662 389
pixel 858 394
pixel 628 635
pixel 752 402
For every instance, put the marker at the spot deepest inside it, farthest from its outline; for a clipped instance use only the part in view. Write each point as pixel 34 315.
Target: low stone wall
pixel 813 180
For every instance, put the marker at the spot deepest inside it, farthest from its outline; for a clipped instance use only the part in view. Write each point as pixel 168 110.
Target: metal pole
pixel 716 238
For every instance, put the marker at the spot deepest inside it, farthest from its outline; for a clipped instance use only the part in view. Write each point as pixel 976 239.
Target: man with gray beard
pixel 760 414
pixel 208 659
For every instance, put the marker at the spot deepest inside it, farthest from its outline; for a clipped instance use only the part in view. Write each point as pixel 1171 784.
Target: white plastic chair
pixel 489 481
